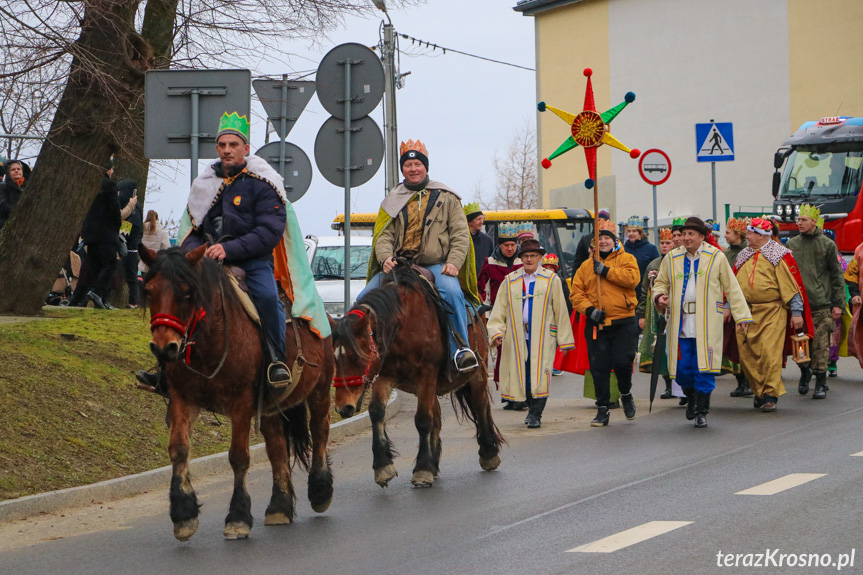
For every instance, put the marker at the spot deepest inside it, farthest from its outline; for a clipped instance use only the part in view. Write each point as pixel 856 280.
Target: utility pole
pixel 390 124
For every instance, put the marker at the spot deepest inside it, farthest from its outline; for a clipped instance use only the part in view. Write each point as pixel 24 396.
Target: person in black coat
pixel 133 231
pixel 12 187
pixel 101 239
pixel 638 246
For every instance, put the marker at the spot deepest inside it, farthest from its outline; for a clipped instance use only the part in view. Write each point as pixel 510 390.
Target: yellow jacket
pixel 618 288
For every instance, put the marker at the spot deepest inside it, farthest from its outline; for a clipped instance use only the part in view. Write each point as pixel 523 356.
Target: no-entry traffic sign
pixel 654 167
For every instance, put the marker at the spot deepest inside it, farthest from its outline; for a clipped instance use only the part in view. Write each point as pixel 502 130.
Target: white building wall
pixel 712 64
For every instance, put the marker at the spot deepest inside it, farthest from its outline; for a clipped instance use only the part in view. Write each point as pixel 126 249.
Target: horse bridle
pixel 364 379
pixel 187 330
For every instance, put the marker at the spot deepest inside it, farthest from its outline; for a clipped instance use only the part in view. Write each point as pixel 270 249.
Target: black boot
pixel 805 378
pixel 667 393
pixel 601 418
pixel 154 382
pixel 743 389
pixel 628 405
pixel 278 377
pixel 537 405
pixel 508 405
pixel 702 408
pixel 519 406
pixel 98 302
pixel 820 385
pixel 527 403
pixel 690 402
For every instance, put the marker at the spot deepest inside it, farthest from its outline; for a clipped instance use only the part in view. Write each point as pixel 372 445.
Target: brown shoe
pixel 768 407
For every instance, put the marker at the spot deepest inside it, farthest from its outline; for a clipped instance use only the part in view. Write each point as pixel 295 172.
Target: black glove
pixel 597 315
pixel 600 268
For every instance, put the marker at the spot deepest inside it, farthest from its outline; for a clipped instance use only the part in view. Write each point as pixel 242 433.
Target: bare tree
pixel 515 174
pixel 95 53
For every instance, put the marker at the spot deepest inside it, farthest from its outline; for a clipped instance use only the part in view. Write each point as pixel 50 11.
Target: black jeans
pixel 130 271
pixel 614 348
pixel 100 263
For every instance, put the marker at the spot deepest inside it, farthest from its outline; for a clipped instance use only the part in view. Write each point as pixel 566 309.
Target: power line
pixel 435 47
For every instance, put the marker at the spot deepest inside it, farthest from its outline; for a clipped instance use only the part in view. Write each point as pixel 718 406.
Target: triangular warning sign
pixel 715 145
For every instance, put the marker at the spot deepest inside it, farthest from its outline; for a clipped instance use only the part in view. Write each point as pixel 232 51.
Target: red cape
pixel 731 351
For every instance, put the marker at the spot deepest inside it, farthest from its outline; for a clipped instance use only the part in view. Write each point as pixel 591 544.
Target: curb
pixel 130 485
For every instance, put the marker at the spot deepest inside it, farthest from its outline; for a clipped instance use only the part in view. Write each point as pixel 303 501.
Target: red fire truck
pixel 822 164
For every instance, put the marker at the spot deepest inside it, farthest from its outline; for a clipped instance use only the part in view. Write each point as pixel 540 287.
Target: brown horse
pixel 212 356
pixel 396 336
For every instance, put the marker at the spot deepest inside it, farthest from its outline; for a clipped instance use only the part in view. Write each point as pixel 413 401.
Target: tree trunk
pixel 94 107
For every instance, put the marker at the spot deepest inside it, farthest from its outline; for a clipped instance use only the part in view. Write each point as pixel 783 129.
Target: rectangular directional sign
pixel 170 96
pixel 714 142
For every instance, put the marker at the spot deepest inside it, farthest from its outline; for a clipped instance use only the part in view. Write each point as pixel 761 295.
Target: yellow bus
pixel 559 229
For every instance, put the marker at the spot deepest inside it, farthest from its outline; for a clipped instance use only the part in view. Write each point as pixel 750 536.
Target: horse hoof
pixel 184 530
pixel 490 464
pixel 384 475
pixel 275 519
pixel 237 530
pixel 423 479
pixel 321 507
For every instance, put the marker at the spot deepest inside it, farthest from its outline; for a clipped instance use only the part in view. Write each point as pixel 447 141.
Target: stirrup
pixel 471 365
pixel 279 384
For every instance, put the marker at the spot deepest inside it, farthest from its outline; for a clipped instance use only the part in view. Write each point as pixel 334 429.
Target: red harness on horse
pixel 358 380
pixel 186 329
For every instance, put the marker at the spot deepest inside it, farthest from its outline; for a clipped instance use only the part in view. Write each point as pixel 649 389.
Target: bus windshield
pixel 822 174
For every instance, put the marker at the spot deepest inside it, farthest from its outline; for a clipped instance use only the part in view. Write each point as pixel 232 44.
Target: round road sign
pixel 367 150
pixel 367 80
pixel 298 168
pixel 654 167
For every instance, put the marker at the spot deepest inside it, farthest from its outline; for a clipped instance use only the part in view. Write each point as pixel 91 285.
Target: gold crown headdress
pixel 550 260
pixel 665 235
pixel 737 224
pixel 413 146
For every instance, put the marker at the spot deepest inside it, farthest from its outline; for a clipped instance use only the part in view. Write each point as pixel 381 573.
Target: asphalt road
pixel 559 488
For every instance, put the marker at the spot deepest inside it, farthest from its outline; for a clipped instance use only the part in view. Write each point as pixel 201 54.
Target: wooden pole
pixel 596 242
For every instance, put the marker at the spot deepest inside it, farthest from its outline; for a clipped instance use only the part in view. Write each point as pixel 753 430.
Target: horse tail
pixel 298 438
pixel 461 402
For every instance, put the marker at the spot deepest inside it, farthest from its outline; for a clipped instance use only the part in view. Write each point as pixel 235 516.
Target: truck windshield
pixel 821 174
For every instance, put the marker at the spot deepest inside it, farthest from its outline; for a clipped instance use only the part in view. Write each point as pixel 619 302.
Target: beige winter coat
pixel 549 329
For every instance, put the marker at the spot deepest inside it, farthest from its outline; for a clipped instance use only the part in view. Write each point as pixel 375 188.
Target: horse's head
pixel 177 294
pixel 357 359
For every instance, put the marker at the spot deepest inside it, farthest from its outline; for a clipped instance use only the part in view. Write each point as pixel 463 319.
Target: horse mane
pixel 385 302
pixel 202 280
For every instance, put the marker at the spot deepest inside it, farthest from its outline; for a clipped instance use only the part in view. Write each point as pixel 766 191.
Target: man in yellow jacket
pixel 611 328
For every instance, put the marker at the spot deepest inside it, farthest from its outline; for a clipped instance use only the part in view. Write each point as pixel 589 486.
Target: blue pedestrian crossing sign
pixel 714 142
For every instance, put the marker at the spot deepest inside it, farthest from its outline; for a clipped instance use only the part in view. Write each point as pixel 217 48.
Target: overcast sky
pixel 463 109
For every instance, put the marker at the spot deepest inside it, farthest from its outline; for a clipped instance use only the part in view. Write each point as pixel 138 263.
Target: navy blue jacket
pixel 248 219
pixel 644 252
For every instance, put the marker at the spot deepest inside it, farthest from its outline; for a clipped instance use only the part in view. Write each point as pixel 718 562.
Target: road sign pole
pixel 347 268
pixel 194 134
pixel 713 178
pixel 655 220
pixel 390 127
pixel 284 124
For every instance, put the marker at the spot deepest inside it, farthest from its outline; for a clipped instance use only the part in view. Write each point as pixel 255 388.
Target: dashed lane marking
pixel 781 484
pixel 630 537
pixel 860 454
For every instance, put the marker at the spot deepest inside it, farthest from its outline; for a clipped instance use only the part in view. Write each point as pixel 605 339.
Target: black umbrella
pixel 658 348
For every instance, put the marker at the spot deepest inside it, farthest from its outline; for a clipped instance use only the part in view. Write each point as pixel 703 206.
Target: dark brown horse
pixel 396 336
pixel 212 355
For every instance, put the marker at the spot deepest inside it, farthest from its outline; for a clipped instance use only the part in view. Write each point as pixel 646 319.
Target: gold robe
pixel 550 328
pixel 768 289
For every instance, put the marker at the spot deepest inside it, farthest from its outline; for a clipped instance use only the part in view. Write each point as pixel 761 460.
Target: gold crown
pixel 413 146
pixel 607 226
pixel 550 260
pixel 737 224
pixel 665 234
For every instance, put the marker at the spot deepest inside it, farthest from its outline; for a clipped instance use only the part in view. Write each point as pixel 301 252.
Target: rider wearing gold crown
pixel 818 258
pixel 424 220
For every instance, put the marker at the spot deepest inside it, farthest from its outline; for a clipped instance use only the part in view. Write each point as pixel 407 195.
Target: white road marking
pixel 781 484
pixel 630 537
pixel 860 454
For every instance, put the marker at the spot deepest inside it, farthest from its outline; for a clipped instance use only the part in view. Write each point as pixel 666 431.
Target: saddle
pixel 408 259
